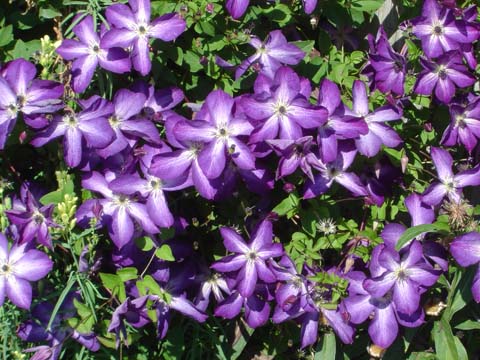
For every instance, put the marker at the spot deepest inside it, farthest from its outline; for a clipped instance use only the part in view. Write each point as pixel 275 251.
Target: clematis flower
pixel 31 219
pixel 383 327
pixel 405 274
pixel 271 54
pixel 249 259
pixel 440 31
pixel 294 153
pixel 339 125
pixel 88 52
pixel 119 210
pixel 389 67
pixel 237 8
pixel 133 312
pixel 131 26
pixel 450 185
pixel 442 76
pixel 465 123
pixel 127 123
pixel 378 133
pixel 212 283
pixel 21 93
pixel 17 267
pixel 216 126
pixel 309 6
pixel 335 171
pixel 466 251
pixel 281 110
pixel 88 128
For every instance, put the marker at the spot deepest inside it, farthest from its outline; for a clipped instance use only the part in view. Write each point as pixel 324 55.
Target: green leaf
pixel 6 35
pixel 164 252
pixel 148 285
pixel 469 325
pixel 413 232
pixel 280 14
pixel 61 299
pixel 445 346
pixel 369 6
pixel 460 293
pixel 87 319
pixel 128 273
pixel 48 13
pixel 115 284
pixel 287 206
pixel 145 243
pixel 58 196
pixel 244 334
pixel 328 348
pixel 24 49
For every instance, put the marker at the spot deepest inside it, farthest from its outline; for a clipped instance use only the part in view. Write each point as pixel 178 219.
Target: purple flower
pixel 132 27
pixel 466 251
pixel 119 210
pixel 280 109
pixel 249 259
pixel 31 219
pixel 378 133
pixel 17 267
pixel 339 125
pixel 389 67
pixel 271 54
pixel 212 283
pixel 88 52
pixel 89 127
pixel 309 6
pixel 442 76
pixel 335 171
pixel 465 123
pixel 405 275
pixel 20 92
pixel 127 124
pixel 450 185
pixel 237 8
pixel 216 126
pixel 440 31
pixel 383 327
pixel 294 153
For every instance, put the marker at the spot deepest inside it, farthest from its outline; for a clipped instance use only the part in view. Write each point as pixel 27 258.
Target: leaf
pixel 243 334
pixel 128 273
pixel 287 206
pixel 328 348
pixel 149 286
pixel 460 294
pixel 115 284
pixel 58 196
pixel 6 35
pixel 413 232
pixel 48 13
pixel 469 325
pixel 445 346
pixel 61 299
pixel 164 252
pixel 24 49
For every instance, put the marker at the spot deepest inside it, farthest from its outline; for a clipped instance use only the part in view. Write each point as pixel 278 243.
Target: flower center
pixel 155 184
pixel 222 132
pixel 122 200
pixel 333 172
pixel 142 30
pixel 397 66
pixel 460 121
pixel 437 30
pixel 442 72
pixel 38 218
pixel 251 256
pixel 401 274
pixel 95 49
pixel 21 100
pixel 70 120
pixel 114 121
pixel 6 269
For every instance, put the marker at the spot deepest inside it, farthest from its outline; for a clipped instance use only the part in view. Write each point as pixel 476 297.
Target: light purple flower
pixel 440 31
pixel 87 52
pixel 237 8
pixel 17 267
pixel 464 127
pixel 450 185
pixel 249 259
pixel 443 76
pixel 309 6
pixel 466 251
pixel 21 93
pixel 271 54
pixel 220 131
pixel 131 26
pixel 279 109
pixel 88 128
pixel 378 133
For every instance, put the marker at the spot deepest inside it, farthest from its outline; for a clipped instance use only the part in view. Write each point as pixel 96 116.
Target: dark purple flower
pixel 378 133
pixel 17 267
pixel 440 31
pixel 31 219
pixel 450 185
pixel 217 127
pixel 466 251
pixel 339 125
pixel 132 27
pixel 21 93
pixel 88 128
pixel 389 67
pixel 249 259
pixel 87 52
pixel 279 109
pixel 465 124
pixel 443 76
pixel 237 8
pixel 271 54
pixel 211 283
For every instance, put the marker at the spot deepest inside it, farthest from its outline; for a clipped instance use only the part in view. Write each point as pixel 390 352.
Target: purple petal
pixel 233 242
pixel 378 287
pixel 122 227
pixel 141 56
pixel 466 249
pixel 247 279
pixel 187 308
pixel 230 307
pixel 360 98
pixel 139 212
pixel 443 162
pixel 383 329
pixel 212 159
pixel 256 312
pixel 406 296
pixel 72 144
pixel 115 37
pixel 359 308
pixel 158 210
pixel 167 27
pixel 19 73
pixel 434 194
pixel 19 291
pixel 237 8
pixel 33 265
pixel 82 72
pixel 85 31
pixel 120 15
